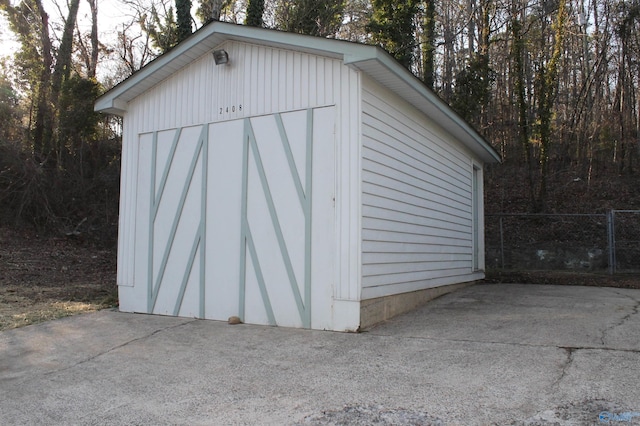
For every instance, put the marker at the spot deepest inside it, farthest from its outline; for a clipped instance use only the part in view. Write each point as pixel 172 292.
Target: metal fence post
pixel 611 238
pixel 501 245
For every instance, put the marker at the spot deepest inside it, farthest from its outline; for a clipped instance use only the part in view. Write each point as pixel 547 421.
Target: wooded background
pixel 551 84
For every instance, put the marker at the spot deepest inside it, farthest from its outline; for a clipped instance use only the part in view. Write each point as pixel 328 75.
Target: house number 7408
pixel 228 109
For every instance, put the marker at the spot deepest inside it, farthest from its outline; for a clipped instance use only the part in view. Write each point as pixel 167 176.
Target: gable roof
pixel 371 60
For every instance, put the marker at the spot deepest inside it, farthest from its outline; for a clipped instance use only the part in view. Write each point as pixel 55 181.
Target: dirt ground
pixel 43 278
pixel 564 278
pixel 47 278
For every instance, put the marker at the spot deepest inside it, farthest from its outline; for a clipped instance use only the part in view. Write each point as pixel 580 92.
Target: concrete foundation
pixel 374 311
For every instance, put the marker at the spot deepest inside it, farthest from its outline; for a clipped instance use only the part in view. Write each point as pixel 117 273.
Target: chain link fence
pixel 599 242
pixel 625 256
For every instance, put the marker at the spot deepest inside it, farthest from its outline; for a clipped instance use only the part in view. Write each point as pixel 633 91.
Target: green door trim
pixel 201 153
pixel 304 197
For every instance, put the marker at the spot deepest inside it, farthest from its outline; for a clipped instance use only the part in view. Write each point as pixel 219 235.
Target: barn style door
pixel 174 177
pixel 239 219
pixel 275 257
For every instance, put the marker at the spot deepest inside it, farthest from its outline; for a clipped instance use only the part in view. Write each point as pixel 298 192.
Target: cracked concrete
pixel 565 366
pixel 624 329
pixel 488 354
pixel 119 346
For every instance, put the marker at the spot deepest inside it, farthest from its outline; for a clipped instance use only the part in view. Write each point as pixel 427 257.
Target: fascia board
pixel 280 39
pixel 160 68
pixel 111 105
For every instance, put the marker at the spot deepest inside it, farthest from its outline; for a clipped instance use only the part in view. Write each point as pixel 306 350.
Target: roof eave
pixel 441 112
pixel 111 105
pixel 206 39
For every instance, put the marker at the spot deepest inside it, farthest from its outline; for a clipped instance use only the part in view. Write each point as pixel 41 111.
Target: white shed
pixel 307 182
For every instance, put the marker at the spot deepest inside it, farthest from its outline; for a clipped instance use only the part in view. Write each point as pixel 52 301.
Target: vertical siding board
pixel 200 71
pixel 245 55
pixel 190 107
pixel 345 93
pixel 281 95
pixel 216 81
pixel 340 290
pixel 151 119
pixel 262 65
pixel 342 201
pixel 218 91
pixel 171 106
pixel 343 189
pixel 355 118
pixel 314 75
pixel 231 82
pixel 126 230
pixel 193 106
pixel 323 85
pixel 253 78
pixel 188 94
pixel 182 87
pixel 143 104
pixel 125 219
pixel 275 79
pixel 295 81
pixel 215 92
pixel 288 76
pixel 328 81
pixel 281 98
pixel 175 118
pixel 199 101
pixel 161 106
pixel 206 85
pixel 306 87
pixel 270 76
pixel 205 77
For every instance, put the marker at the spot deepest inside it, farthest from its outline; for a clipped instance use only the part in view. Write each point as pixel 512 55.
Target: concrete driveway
pixel 488 354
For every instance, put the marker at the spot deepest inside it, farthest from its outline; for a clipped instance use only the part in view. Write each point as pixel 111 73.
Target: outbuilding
pixel 291 180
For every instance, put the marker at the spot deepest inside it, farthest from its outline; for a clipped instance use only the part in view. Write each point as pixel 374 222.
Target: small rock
pixel 235 320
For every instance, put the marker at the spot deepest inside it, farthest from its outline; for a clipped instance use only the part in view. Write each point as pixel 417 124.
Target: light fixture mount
pixel 220 57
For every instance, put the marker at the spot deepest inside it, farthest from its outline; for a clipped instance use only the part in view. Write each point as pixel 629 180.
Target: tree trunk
pixel 63 60
pixel 44 116
pixel 548 90
pixel 255 10
pixel 519 85
pixel 95 46
pixel 428 44
pixel 61 74
pixel 216 10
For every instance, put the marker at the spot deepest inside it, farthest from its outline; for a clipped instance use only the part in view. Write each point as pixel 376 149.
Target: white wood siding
pixel 417 221
pixel 257 81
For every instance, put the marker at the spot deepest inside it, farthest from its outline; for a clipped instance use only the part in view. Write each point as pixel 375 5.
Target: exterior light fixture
pixel 221 57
